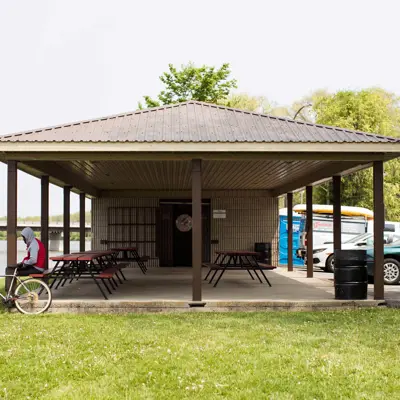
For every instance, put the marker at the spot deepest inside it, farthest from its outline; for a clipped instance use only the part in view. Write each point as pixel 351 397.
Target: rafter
pixel 336 168
pixel 59 176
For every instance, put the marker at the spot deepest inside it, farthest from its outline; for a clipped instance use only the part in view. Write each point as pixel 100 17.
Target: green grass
pixel 333 355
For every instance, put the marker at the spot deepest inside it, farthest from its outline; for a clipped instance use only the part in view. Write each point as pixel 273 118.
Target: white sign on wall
pixel 219 214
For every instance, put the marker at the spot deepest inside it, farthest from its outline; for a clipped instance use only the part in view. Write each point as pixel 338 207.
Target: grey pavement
pixel 174 284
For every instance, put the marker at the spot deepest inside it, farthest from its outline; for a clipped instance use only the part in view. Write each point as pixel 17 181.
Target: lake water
pixel 22 251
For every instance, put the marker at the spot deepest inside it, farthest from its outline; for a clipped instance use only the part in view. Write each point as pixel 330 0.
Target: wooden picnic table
pixel 99 265
pixel 130 254
pixel 237 260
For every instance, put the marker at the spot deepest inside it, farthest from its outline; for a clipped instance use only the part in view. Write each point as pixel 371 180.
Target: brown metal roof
pixel 194 121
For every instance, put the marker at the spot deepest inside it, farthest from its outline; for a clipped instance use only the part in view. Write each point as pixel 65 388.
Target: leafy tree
pixel 243 101
pixel 371 110
pixel 204 83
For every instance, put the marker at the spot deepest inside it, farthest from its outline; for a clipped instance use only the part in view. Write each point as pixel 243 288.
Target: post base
pixel 197 304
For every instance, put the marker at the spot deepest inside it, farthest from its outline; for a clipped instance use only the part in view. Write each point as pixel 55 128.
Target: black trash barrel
pixel 351 275
pixel 264 249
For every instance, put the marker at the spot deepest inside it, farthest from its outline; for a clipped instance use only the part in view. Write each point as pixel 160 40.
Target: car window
pixel 388 238
pixel 370 241
pixel 396 242
pixel 360 238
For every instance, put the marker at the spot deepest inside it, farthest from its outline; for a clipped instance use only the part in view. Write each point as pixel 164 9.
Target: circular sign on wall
pixel 184 223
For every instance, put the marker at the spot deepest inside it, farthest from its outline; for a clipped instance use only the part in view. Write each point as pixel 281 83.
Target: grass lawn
pixel 333 355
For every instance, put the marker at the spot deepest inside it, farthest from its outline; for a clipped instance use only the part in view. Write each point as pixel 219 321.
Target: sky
pixel 68 60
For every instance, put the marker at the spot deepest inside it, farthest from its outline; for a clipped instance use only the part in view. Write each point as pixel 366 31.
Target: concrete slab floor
pixel 324 281
pixel 174 284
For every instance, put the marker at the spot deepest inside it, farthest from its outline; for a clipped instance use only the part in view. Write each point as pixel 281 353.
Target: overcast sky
pixel 67 60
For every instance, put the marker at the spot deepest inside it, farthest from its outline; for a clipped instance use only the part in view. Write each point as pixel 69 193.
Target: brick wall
pixel 251 217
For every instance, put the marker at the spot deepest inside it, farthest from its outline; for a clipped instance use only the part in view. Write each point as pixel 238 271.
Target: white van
pixel 390 226
pixel 355 221
pixel 357 231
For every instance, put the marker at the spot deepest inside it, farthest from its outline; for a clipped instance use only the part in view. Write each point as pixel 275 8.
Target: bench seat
pixel 267 266
pixel 41 275
pixel 121 265
pixel 244 266
pixel 108 273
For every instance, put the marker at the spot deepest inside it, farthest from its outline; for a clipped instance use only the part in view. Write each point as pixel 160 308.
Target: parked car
pixel 391 264
pixel 323 254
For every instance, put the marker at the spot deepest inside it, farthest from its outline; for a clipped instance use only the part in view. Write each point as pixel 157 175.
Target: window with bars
pixel 133 226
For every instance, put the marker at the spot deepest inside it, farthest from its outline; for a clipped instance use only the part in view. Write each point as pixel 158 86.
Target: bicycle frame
pixel 15 277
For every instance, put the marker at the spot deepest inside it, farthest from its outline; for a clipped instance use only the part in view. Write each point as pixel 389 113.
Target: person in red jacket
pixel 34 262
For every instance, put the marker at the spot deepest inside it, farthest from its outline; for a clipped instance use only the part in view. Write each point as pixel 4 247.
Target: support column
pixel 379 225
pixel 290 230
pixel 310 255
pixel 12 170
pixel 82 223
pixel 337 214
pixel 197 242
pixel 44 217
pixel 67 222
pixel 12 212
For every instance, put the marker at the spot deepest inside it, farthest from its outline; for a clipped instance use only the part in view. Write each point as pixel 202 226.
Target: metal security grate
pixel 133 226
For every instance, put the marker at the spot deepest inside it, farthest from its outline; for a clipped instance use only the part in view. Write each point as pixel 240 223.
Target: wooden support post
pixel 197 242
pixel 290 230
pixel 44 217
pixel 12 171
pixel 337 214
pixel 12 212
pixel 309 223
pixel 379 225
pixel 67 222
pixel 82 222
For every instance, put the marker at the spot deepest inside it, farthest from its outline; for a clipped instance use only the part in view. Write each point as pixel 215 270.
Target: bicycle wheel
pixel 32 296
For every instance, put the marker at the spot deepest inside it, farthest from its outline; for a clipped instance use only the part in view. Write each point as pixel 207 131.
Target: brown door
pixel 164 241
pixel 174 234
pixel 206 226
pixel 182 235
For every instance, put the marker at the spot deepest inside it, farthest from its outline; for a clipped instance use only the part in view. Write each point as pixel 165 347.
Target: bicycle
pixel 31 296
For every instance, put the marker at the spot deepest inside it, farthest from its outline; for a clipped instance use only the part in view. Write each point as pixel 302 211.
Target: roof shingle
pixel 194 121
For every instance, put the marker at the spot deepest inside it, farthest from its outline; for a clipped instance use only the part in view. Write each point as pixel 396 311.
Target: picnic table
pixel 100 266
pixel 237 260
pixel 130 254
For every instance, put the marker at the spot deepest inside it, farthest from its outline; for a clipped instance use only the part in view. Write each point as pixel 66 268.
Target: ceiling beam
pixel 59 176
pixel 177 194
pixel 392 147
pixel 320 176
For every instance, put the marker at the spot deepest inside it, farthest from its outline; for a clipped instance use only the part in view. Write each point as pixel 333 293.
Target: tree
pixel 204 83
pixel 243 101
pixel 370 110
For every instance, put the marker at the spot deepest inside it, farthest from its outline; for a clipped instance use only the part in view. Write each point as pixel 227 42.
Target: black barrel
pixel 351 275
pixel 264 249
pixel 350 258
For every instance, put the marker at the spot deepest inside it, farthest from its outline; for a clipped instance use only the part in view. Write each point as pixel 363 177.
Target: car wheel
pixel 330 264
pixel 391 271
